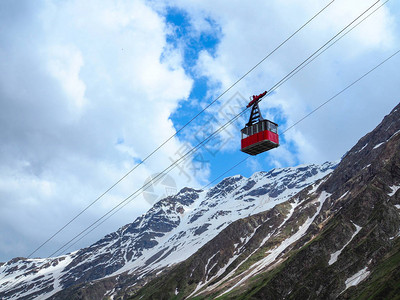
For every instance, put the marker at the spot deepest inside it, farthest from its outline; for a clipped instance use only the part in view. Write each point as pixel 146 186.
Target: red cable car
pixel 259 135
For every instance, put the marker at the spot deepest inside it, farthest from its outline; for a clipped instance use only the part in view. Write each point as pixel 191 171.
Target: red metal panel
pixel 244 143
pixel 273 137
pixel 254 139
pixel 258 137
pixel 262 135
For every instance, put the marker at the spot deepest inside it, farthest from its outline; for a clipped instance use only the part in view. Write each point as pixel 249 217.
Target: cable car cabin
pixel 260 137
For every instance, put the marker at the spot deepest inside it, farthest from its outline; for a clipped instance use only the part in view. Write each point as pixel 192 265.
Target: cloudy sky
pixel 89 88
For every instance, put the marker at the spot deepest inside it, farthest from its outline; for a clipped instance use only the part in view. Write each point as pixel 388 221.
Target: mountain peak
pixel 315 230
pixel 339 237
pixel 172 230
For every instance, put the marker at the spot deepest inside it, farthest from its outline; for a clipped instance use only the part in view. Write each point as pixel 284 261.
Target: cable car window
pixel 259 127
pixel 245 132
pixel 274 128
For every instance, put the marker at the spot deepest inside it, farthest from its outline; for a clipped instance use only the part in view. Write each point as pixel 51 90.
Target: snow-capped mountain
pixel 308 232
pixel 170 232
pixel 338 238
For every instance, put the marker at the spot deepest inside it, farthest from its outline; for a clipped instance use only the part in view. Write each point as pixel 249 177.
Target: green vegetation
pixel 384 281
pixel 259 254
pixel 306 268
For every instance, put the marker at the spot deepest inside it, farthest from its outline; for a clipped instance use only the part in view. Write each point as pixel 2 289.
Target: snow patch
pixel 220 272
pixel 394 190
pixel 231 273
pixel 378 145
pixel 356 278
pixel 334 256
pixel 362 148
pixel 206 266
pixel 344 195
pixel 274 253
pixel 393 135
pixel 367 166
pixel 292 207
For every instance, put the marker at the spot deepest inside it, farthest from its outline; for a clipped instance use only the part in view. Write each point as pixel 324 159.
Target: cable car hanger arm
pixel 255 115
pixel 256 99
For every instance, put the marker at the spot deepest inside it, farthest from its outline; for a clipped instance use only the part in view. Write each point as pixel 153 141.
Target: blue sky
pixel 191 46
pixel 217 159
pixel 89 89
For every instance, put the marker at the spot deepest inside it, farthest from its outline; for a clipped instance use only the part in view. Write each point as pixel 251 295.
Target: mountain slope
pixel 338 238
pixel 170 232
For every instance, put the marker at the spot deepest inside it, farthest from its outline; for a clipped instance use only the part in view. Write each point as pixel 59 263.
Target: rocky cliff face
pixel 169 233
pixel 297 233
pixel 336 239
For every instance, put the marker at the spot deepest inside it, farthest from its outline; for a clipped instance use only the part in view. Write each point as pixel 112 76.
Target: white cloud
pixel 252 30
pixel 376 31
pixel 91 97
pixel 87 89
pixel 65 64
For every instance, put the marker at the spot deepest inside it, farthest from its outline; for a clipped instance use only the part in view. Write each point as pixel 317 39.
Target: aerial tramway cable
pixel 203 188
pixel 194 149
pixel 177 132
pixel 314 54
pixel 157 177
pixel 128 200
pixel 260 135
pixel 134 195
pixel 294 72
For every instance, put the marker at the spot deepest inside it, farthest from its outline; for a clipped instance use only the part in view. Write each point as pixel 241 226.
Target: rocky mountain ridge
pixel 308 232
pixel 170 232
pixel 336 239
